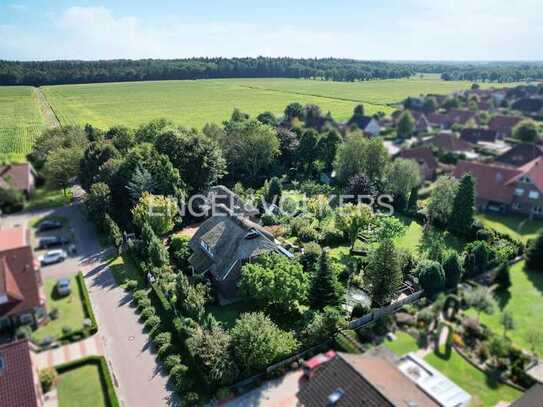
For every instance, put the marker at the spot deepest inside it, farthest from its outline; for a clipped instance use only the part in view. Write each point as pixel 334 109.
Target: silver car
pixel 53 256
pixel 63 286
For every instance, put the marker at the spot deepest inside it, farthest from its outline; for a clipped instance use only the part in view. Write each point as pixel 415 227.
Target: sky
pixel 360 29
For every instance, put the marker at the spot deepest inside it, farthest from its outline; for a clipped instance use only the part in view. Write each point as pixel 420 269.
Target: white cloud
pixel 459 29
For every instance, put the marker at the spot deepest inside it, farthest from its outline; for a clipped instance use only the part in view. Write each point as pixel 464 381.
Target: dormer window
pixel 534 195
pixel 519 191
pixel 525 180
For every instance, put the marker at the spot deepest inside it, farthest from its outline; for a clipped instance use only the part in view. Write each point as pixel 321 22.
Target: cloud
pixel 422 29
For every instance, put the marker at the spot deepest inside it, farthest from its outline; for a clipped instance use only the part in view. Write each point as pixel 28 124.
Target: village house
pixel 452 117
pixel 520 154
pixel 368 124
pixel 422 125
pixel 478 135
pixel 19 380
pixel 451 143
pixel 377 378
pixel 221 195
pixel 426 160
pixel 529 106
pixel 223 244
pixel 21 177
pixel 503 125
pixel 22 300
pixel 502 188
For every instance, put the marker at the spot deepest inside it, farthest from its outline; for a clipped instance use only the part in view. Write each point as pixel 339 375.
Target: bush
pixel 308 234
pixel 66 330
pixel 499 347
pixel 143 303
pixel 11 200
pixel 332 236
pixel 152 322
pixel 48 378
pixel 139 294
pixel 483 351
pixel 147 313
pixel 269 219
pixel 191 399
pixel 359 310
pixel 164 338
pixel 310 257
pixel 131 285
pixel 164 351
pixel 171 361
pixel 53 314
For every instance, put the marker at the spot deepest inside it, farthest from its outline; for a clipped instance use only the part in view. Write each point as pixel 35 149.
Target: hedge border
pixel 86 301
pixel 105 376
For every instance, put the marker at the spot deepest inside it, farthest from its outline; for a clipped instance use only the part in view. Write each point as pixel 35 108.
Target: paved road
pixel 138 377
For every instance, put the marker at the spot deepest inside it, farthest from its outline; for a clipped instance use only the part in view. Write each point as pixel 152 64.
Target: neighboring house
pixel 223 244
pixel 367 124
pixel 221 195
pixel 425 158
pixel 376 378
pixel 450 142
pixel 461 116
pixel 22 177
pixel 439 120
pixel 19 380
pixel 529 106
pixel 22 300
pixel 478 135
pixel 422 125
pixel 520 154
pixel 501 188
pixel 503 125
pixel 531 398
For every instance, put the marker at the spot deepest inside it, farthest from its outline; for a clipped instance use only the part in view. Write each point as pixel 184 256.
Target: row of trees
pixel 61 72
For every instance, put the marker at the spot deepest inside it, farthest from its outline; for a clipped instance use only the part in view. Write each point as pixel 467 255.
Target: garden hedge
pixel 105 376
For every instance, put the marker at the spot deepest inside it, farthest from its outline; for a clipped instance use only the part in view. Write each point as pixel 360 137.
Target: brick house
pixel 19 380
pixel 22 177
pixel 424 158
pixel 503 125
pixel 520 154
pixel 22 300
pixel 505 189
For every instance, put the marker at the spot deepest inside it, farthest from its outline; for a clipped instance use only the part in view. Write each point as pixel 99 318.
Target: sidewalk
pixel 92 346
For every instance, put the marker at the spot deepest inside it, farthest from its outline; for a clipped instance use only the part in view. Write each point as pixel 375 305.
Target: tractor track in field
pixel 46 110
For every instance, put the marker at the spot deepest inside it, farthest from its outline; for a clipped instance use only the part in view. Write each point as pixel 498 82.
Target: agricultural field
pixel 20 121
pixel 196 102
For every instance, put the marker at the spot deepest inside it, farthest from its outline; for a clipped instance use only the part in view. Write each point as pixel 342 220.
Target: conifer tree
pixel 452 266
pixel 412 204
pixel 384 273
pixel 462 215
pixel 325 289
pixel 534 254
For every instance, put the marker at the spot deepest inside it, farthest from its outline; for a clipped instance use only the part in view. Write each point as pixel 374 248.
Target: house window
pixel 537 209
pixel 519 191
pixel 516 205
pixel 26 319
pixel 525 180
pixel 534 195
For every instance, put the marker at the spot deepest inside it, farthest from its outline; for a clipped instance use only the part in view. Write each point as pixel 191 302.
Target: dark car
pixel 49 225
pixel 51 241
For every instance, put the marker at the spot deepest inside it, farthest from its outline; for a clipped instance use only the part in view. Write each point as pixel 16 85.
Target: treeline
pixel 65 72
pixel 484 72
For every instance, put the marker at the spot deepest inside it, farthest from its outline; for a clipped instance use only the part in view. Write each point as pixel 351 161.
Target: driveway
pixel 137 375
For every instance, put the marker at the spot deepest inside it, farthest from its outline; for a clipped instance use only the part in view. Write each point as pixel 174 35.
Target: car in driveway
pixel 52 241
pixel 46 225
pixel 63 286
pixel 52 257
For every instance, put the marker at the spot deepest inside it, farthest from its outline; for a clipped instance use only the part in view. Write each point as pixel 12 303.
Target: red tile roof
pixel 534 171
pixel 491 181
pixel 20 281
pixel 503 122
pixel 421 154
pixel 17 378
pixel 450 142
pixel 19 176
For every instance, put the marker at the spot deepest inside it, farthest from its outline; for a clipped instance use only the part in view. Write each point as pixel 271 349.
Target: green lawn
pixel 228 314
pixel 81 387
pixel 71 313
pixel 196 102
pixel 525 303
pixel 124 269
pixel 484 389
pixel 417 241
pixel 45 197
pixel 403 344
pixel 518 227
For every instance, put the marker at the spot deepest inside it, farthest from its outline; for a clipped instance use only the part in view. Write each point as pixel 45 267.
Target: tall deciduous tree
pixel 98 203
pixel 353 219
pixel 156 210
pixel 526 131
pixel 95 155
pixel 384 273
pixel 406 125
pixel 462 214
pixel 294 111
pixel 441 200
pixel 325 288
pixel 63 166
pixel 402 176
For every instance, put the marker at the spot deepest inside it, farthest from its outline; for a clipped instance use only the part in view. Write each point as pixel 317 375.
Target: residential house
pixel 531 398
pixel 425 158
pixel 452 117
pixel 478 135
pixel 520 154
pixel 221 195
pixel 223 244
pixel 377 378
pixel 19 380
pixel 503 125
pixel 530 106
pixel 22 177
pixel 450 142
pixel 502 188
pixel 22 300
pixel 368 124
pixel 422 125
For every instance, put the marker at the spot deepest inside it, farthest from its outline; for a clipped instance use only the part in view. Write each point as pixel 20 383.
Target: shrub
pixel 143 303
pixel 308 234
pixel 332 236
pixel 66 330
pixel 164 351
pixel 139 294
pixel 23 332
pixel 483 351
pixel 48 378
pixel 269 219
pixel 499 347
pixel 171 361
pixel 164 338
pixel 53 314
pixel 310 257
pixel 148 312
pixel 11 200
pixel 131 285
pixel 152 322
pixel 359 310
pixel 191 399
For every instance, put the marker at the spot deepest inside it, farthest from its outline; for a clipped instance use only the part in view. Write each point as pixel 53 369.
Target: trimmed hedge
pixel 105 376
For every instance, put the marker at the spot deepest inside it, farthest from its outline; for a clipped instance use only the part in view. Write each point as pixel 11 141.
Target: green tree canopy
pixel 526 131
pixel 383 273
pixel 463 209
pixel 534 254
pixel 431 277
pixel 441 200
pixel 325 288
pixel 406 125
pixel 158 211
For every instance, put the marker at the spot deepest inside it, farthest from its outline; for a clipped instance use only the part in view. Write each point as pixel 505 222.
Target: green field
pixel 20 121
pixel 196 102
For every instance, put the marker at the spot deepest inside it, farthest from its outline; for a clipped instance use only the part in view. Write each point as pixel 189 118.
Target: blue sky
pixel 363 29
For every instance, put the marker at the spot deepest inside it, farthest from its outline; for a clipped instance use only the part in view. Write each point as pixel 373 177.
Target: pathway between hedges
pixel 92 346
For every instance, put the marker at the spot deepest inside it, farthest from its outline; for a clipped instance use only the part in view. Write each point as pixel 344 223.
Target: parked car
pixel 63 286
pixel 51 241
pixel 53 256
pixel 49 225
